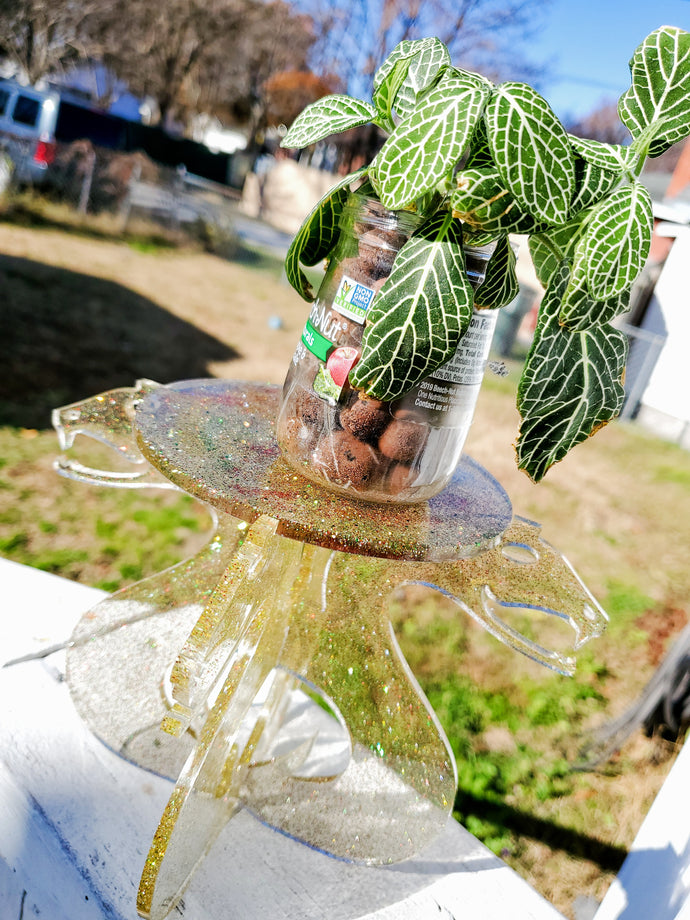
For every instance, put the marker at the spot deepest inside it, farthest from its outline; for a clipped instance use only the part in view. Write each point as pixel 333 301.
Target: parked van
pixel 27 129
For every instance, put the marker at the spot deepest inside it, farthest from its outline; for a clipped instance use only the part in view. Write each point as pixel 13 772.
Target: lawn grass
pixel 102 537
pixel 85 313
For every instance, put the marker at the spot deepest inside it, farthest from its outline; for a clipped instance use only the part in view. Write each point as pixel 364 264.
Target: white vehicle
pixel 27 129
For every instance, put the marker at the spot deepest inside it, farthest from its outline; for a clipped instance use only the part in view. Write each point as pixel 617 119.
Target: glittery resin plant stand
pixel 268 659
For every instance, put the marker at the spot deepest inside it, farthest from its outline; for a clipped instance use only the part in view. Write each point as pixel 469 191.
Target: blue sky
pixel 588 44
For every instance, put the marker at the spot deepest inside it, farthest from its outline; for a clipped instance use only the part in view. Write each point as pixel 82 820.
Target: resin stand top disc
pixel 216 440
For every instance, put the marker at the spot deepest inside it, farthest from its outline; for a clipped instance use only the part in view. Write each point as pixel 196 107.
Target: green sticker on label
pixel 316 343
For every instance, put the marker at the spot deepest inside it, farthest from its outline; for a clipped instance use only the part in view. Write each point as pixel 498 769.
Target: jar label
pixel 468 363
pixel 447 395
pixel 353 299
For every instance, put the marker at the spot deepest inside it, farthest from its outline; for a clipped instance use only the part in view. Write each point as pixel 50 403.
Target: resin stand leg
pixel 261 625
pixel 121 653
pixel 386 784
pixel 229 655
pixel 523 587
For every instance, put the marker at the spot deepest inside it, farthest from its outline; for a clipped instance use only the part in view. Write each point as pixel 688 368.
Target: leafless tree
pixel 157 48
pixel 354 36
pixel 601 124
pixel 41 37
pixel 273 40
pixel 197 55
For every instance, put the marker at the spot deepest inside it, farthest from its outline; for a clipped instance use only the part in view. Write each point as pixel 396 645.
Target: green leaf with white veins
pixel 617 240
pixel 550 248
pixel 418 317
pixel 481 200
pixel 531 150
pixel 570 387
pixel 386 93
pixel 479 154
pixel 403 51
pixel 660 88
pixel 318 235
pixel 579 310
pixel 478 238
pixel 424 148
pixel 328 115
pixel 500 285
pixel 615 157
pixel 591 184
pixel 424 60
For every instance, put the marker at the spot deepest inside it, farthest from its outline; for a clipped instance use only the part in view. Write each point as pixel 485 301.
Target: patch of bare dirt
pixel 661 626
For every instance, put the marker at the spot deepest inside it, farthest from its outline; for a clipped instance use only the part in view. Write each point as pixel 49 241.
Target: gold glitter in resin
pixel 203 655
pixel 109 418
pixel 210 457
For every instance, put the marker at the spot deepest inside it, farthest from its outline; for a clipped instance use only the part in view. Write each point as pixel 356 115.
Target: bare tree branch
pixel 354 36
pixel 41 36
pixel 193 56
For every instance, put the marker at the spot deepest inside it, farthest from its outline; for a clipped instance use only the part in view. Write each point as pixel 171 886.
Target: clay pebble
pixel 345 460
pixel 310 408
pixel 299 436
pixel 399 478
pixel 402 440
pixel 365 418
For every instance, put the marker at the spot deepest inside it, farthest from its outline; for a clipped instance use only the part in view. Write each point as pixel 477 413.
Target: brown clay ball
pixel 346 461
pixel 310 408
pixel 374 263
pixel 365 418
pixel 403 440
pixel 382 238
pixel 408 414
pixel 300 438
pixel 399 478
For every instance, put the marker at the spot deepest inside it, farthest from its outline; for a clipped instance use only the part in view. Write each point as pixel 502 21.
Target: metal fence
pixel 96 180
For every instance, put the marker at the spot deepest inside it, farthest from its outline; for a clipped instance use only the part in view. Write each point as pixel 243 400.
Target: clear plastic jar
pixel 405 450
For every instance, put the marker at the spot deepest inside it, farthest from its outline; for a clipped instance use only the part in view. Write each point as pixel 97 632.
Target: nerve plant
pixel 479 162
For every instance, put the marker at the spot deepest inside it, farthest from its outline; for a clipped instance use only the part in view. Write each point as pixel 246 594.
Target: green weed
pixel 14 542
pixel 668 473
pixel 165 519
pixel 624 603
pixel 520 771
pixel 59 561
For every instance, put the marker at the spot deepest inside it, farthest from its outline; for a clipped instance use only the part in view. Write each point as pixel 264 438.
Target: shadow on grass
pixel 253 258
pixel 65 336
pixel 607 856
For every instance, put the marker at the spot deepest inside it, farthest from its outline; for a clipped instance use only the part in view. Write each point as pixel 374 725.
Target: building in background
pixel 658 322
